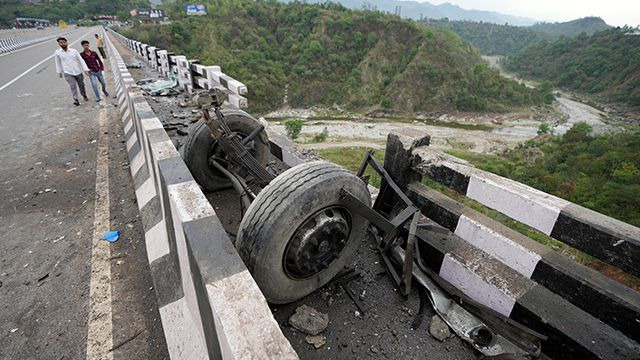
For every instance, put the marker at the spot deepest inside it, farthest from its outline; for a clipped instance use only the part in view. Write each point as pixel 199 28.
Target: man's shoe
pixel 86 98
pixel 106 94
pixel 76 103
pixel 98 100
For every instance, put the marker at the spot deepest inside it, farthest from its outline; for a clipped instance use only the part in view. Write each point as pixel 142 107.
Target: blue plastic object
pixel 111 236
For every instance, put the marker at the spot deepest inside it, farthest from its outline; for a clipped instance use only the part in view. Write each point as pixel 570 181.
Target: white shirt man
pixel 70 65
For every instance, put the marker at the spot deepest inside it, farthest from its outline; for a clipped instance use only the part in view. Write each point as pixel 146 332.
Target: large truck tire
pixel 296 235
pixel 200 146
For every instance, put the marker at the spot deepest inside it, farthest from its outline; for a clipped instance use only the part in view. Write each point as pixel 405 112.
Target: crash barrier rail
pixel 584 313
pixel 16 43
pixel 191 75
pixel 208 302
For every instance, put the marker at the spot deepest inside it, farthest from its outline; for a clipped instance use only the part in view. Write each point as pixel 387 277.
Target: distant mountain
pixel 605 63
pixel 494 39
pixel 420 10
pixel 587 25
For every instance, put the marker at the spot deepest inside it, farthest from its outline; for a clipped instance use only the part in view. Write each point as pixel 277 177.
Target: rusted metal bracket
pixel 510 338
pixel 232 145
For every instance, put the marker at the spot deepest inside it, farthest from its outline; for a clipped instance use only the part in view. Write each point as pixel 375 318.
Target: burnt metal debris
pixel 486 330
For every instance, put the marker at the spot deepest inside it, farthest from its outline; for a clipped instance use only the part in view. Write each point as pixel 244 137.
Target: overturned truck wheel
pixel 296 235
pixel 199 147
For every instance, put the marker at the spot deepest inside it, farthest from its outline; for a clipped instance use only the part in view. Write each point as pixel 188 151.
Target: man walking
pixel 100 46
pixel 69 64
pixel 96 67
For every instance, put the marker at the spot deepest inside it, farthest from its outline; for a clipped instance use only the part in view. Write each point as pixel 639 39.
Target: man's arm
pixel 58 64
pixel 82 62
pixel 99 61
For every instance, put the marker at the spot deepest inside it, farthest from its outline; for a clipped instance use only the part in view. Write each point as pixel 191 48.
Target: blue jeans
pixel 98 75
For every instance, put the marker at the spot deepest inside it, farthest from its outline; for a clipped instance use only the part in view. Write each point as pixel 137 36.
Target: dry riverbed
pixel 482 133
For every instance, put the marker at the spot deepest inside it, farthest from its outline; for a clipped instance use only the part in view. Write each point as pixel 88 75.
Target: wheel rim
pixel 317 242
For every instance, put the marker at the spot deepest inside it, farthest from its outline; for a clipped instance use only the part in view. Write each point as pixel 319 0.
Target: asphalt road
pixel 51 222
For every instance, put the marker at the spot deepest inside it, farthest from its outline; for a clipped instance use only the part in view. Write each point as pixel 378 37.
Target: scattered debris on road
pixel 309 320
pixel 111 236
pixel 317 341
pixel 438 328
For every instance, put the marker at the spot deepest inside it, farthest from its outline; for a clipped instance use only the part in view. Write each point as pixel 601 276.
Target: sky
pixel 614 12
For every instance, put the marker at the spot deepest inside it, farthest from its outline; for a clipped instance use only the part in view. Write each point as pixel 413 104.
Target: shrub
pixel 544 128
pixel 321 137
pixel 293 127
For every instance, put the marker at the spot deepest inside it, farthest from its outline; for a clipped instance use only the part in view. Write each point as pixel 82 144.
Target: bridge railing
pixel 583 312
pixel 15 43
pixel 209 305
pixel 191 75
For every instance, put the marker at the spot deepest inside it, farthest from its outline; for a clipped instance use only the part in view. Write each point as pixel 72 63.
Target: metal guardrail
pixel 15 43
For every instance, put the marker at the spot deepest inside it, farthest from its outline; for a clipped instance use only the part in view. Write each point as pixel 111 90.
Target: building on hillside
pixel 23 22
pixel 148 15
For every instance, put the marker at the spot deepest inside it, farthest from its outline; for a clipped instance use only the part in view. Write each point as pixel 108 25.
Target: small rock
pixel 309 320
pixel 13 330
pixel 317 341
pixel 438 328
pixel 357 313
pixel 373 349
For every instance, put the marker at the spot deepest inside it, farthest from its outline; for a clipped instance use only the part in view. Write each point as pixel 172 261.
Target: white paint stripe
pixel 163 150
pixel 127 125
pixel 137 162
pixel 474 286
pixel 157 241
pixel 190 203
pixel 236 302
pixel 512 201
pixel 126 117
pixel 181 333
pixel 145 192
pixel 131 141
pixel 151 123
pixel 99 333
pixel 38 64
pixel 502 248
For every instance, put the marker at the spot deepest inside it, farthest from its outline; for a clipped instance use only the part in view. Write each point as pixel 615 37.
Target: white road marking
pixel 38 64
pixel 99 332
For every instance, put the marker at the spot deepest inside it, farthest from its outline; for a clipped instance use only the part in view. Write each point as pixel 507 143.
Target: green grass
pixel 351 158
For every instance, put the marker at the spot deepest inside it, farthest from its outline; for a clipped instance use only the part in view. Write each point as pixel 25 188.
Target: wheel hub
pixel 317 242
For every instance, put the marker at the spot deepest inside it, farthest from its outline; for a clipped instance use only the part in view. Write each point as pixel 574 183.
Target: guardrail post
pixel 184 73
pixel 151 58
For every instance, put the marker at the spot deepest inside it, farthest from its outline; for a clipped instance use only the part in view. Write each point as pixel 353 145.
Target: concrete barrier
pixel 584 313
pixel 15 43
pixel 209 304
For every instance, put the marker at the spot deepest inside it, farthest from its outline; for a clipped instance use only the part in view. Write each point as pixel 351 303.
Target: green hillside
pixel 327 55
pixel 494 39
pixel 587 25
pixel 490 39
pixel 605 63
